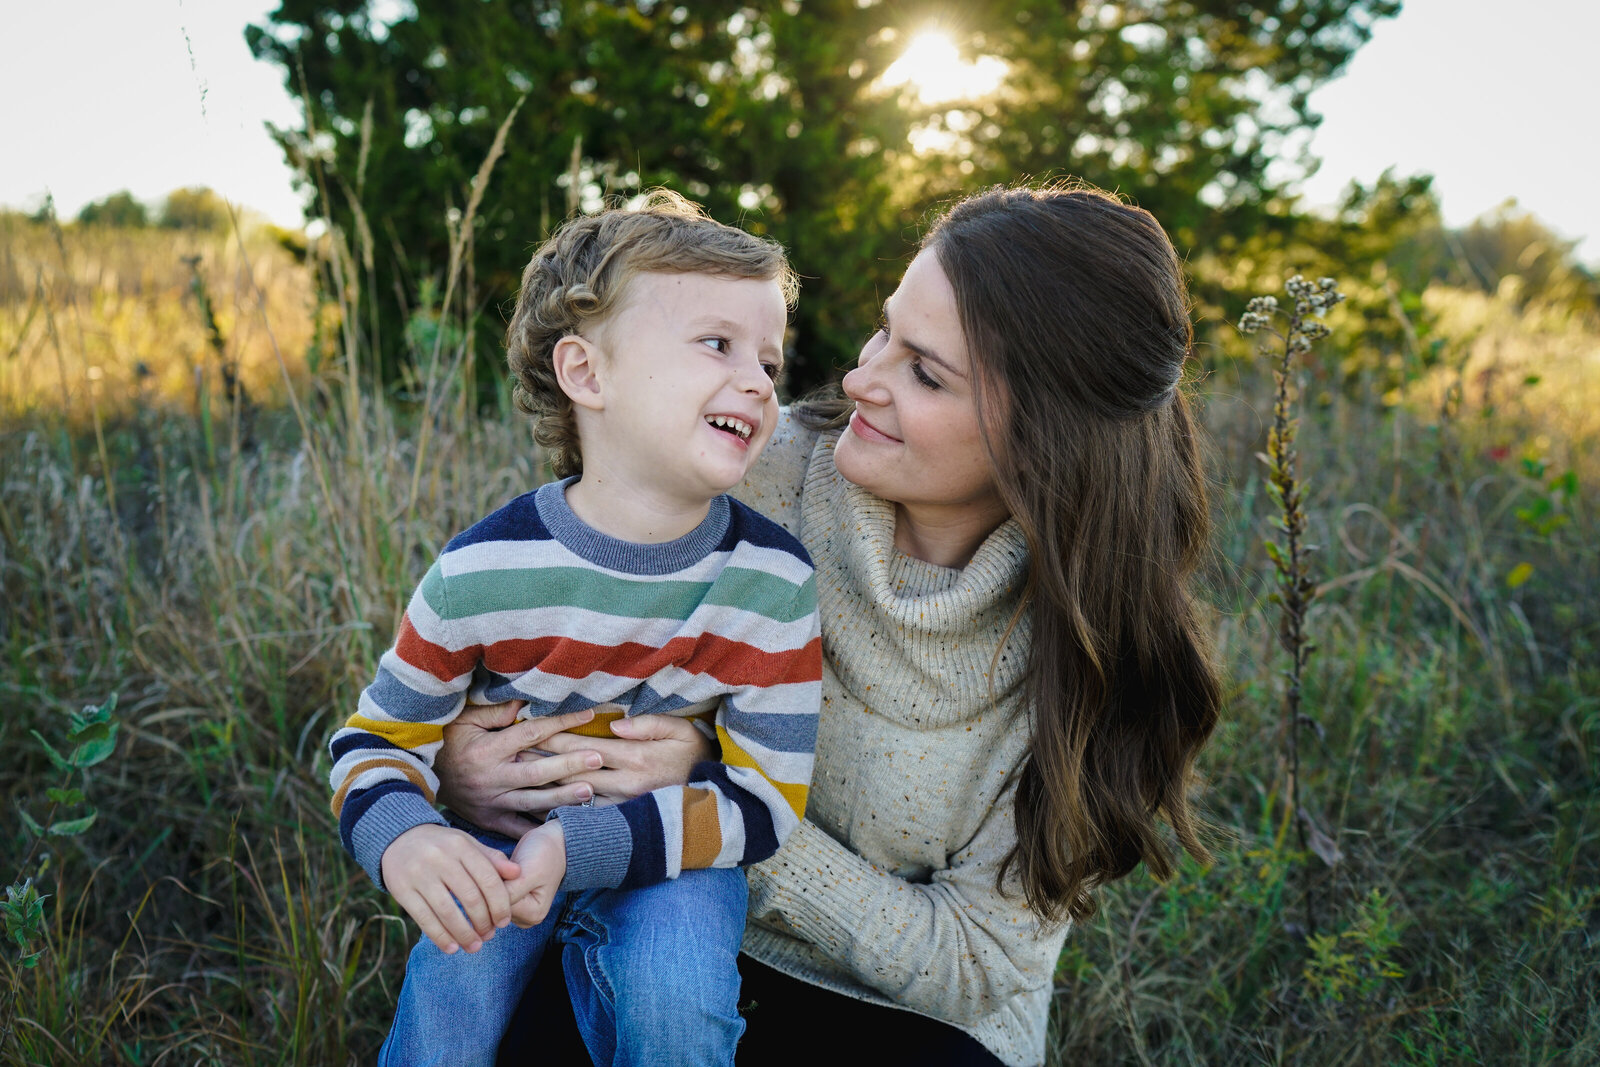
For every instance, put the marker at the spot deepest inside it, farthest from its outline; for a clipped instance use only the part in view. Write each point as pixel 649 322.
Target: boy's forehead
pixel 690 294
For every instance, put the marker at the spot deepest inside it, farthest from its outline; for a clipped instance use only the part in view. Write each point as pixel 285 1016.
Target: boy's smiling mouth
pixel 731 424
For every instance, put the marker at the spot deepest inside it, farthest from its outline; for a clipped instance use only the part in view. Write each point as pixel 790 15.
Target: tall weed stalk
pixel 1290 553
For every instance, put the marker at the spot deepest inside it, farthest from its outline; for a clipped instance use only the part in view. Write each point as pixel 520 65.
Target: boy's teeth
pixel 727 422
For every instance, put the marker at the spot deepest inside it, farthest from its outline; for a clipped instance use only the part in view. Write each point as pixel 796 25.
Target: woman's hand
pixel 650 751
pixel 487 776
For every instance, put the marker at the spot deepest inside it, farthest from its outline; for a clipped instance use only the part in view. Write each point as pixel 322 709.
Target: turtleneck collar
pixel 909 638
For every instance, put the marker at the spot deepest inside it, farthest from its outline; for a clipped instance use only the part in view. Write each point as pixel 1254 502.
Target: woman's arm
pixel 489 776
pixel 953 947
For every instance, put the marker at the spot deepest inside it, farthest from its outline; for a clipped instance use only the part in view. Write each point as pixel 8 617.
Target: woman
pixel 1017 679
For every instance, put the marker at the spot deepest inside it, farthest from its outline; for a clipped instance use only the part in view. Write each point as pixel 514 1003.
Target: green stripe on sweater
pixel 480 592
pixel 739 587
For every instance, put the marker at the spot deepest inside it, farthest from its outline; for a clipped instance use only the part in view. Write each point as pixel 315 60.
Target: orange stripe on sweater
pixel 411 773
pixel 435 659
pixel 732 663
pixel 702 829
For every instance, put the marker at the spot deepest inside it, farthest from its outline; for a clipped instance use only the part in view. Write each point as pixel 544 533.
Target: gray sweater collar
pixel 630 557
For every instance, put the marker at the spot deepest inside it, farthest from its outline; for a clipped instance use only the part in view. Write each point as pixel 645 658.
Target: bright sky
pixel 1496 100
pixel 151 95
pixel 144 95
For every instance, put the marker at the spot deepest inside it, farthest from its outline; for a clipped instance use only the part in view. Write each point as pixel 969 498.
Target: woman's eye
pixel 922 376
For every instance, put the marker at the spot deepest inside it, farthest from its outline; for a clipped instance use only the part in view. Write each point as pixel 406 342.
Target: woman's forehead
pixel 924 316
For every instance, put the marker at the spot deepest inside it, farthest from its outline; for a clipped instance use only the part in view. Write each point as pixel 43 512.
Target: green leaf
pixel 65 796
pixel 1519 575
pixel 28 821
pixel 70 827
pixel 1551 525
pixel 60 761
pixel 23 911
pixel 94 743
pixel 92 713
pixel 1535 511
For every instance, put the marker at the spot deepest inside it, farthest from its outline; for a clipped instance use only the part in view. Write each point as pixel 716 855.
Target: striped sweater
pixel 532 604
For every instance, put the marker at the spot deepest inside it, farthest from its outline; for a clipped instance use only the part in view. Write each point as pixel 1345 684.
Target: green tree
pixel 195 208
pixel 118 209
pixel 1511 243
pixel 776 115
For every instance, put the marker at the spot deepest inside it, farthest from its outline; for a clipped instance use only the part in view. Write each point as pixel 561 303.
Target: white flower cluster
pixel 1310 299
pixel 1258 314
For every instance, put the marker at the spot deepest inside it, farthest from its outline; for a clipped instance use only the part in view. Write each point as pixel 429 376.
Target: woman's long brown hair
pixel 1075 312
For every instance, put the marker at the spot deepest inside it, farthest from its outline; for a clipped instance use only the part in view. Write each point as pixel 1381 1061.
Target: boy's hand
pixel 430 868
pixel 542 857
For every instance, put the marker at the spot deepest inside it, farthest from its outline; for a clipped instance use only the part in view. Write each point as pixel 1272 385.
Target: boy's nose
pixel 753 379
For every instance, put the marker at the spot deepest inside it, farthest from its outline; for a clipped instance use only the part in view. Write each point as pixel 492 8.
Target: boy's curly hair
pixel 578 277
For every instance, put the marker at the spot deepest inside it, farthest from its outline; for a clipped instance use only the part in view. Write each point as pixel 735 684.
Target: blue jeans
pixel 652 973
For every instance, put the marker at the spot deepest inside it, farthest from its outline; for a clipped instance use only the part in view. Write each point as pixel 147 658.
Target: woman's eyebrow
pixel 925 353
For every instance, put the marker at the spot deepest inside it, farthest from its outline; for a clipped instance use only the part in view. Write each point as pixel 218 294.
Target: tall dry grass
pixel 101 317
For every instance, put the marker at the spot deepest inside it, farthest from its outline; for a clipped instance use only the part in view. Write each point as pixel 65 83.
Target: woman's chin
pixel 851 465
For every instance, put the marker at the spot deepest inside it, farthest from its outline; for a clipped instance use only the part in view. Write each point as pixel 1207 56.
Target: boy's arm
pixel 382 779
pixel 730 813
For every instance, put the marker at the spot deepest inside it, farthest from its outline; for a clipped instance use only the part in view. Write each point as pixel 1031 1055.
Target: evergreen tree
pixel 777 116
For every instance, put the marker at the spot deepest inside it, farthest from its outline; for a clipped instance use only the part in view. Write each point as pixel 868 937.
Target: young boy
pixel 645 344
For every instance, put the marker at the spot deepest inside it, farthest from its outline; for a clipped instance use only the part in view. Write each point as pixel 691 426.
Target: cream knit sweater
pixel 886 892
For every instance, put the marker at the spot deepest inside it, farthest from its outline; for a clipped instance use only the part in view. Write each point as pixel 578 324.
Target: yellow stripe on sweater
pixel 734 756
pixel 404 734
pixel 606 714
pixel 600 725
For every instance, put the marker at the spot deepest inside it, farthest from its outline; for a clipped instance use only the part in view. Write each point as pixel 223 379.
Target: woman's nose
pixel 863 383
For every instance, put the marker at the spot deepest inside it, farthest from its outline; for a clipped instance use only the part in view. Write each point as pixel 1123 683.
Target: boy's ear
pixel 574 359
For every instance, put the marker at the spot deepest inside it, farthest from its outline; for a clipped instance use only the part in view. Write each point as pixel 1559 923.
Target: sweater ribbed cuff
pixel 599 846
pixel 386 820
pixel 797 884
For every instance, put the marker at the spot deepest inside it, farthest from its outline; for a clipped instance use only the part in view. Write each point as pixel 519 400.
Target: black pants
pixel 789 1021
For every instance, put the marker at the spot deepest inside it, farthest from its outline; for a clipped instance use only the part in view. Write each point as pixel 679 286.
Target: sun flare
pixel 932 66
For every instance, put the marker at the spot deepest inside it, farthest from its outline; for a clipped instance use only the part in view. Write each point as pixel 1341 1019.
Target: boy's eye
pixel 772 369
pixel 721 344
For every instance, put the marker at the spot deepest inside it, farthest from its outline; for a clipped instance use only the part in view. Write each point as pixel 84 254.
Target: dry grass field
pixel 218 530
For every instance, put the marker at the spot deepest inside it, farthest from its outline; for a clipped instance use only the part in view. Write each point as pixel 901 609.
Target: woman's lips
pixel 868 432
